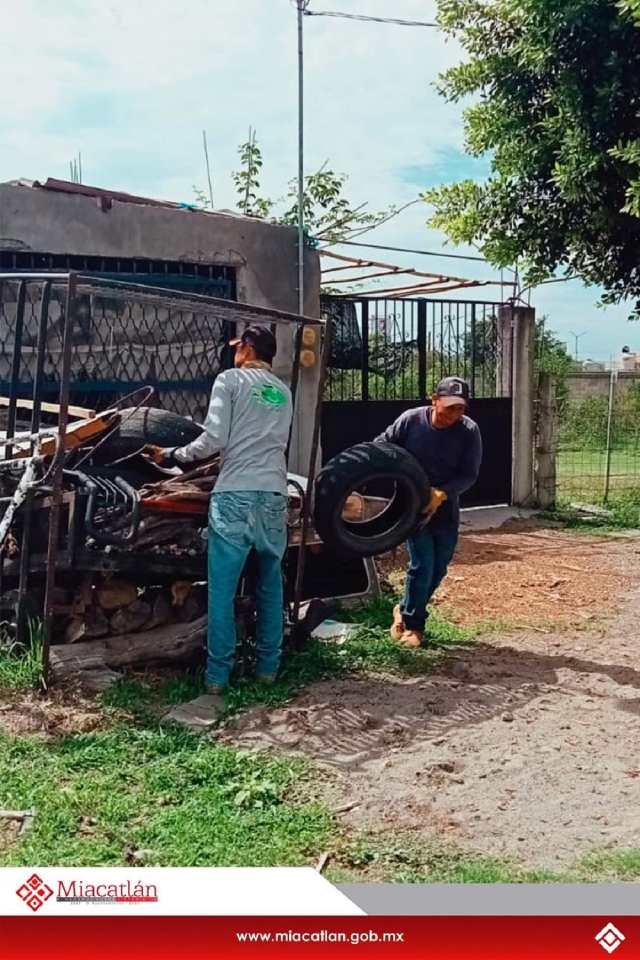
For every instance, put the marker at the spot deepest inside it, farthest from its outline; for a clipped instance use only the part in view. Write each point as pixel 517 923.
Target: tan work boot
pixel 397 627
pixel 411 639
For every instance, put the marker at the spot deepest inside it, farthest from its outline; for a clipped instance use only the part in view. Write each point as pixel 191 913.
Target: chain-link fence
pixel 122 339
pixel 125 336
pixel 598 446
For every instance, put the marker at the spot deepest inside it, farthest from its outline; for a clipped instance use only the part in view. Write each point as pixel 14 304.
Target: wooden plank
pixel 75 435
pixel 82 412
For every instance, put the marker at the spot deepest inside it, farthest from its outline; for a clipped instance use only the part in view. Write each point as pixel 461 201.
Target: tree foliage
pixel 556 103
pixel 247 180
pixel 328 215
pixel 552 356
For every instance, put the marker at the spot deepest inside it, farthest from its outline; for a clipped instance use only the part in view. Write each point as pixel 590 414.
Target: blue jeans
pixel 430 555
pixel 239 522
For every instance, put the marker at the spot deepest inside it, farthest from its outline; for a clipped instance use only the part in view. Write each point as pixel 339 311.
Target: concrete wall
pixel 596 384
pixel 264 256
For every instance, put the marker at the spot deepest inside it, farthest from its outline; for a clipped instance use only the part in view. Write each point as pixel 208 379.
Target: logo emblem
pixel 610 938
pixel 269 396
pixel 34 892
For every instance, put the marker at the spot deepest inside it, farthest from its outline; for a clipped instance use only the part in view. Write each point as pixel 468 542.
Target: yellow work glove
pixel 438 497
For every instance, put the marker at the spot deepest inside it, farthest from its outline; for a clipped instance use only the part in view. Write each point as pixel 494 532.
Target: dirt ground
pixel 60 713
pixel 525 574
pixel 526 744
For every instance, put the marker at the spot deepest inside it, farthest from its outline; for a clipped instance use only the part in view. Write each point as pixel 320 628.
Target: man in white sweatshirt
pixel 248 423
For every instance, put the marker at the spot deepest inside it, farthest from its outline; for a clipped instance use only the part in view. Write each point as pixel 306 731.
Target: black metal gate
pixel 389 355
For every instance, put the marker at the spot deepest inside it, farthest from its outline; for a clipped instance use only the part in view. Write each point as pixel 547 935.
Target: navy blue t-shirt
pixel 451 458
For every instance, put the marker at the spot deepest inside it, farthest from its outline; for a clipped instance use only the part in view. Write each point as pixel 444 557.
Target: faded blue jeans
pixel 239 522
pixel 430 555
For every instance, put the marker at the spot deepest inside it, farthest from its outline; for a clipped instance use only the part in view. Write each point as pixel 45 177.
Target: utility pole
pixel 577 337
pixel 301 7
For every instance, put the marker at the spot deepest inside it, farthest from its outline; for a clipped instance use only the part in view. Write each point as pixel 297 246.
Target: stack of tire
pixel 364 465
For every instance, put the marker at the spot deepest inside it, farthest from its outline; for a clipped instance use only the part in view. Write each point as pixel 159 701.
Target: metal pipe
pixel 313 456
pixel 295 376
pixel 473 350
pixel 422 350
pixel 92 487
pixel 245 312
pixel 15 366
pixel 302 5
pixel 25 556
pixel 57 469
pixel 607 467
pixel 364 385
pixel 42 345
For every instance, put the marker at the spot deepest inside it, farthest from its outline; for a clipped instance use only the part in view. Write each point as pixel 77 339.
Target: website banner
pixel 409 938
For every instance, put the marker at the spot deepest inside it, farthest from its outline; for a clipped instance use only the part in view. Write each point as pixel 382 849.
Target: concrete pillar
pixel 519 328
pixel 504 362
pixel 547 442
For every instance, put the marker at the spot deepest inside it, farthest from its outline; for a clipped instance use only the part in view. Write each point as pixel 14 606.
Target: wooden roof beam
pixel 392 267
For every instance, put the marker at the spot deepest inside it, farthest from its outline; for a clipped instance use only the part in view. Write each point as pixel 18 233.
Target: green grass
pixel 621 512
pixel 581 478
pixel 20 666
pixel 377 858
pixel 138 785
pixel 370 650
pixel 581 474
pixel 186 800
pixel 372 859
pixel 610 866
pixel 141 785
pixel 624 463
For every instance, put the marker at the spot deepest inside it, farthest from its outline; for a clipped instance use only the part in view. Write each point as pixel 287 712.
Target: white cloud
pixel 132 85
pixel 177 67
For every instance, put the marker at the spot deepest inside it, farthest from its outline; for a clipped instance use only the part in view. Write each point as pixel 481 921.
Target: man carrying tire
pixel 248 423
pixel 447 444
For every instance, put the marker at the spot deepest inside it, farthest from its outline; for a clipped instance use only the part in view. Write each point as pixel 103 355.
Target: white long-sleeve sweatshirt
pixel 248 423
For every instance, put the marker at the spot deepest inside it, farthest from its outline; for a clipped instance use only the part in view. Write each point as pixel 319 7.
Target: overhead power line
pixel 362 17
pixel 423 253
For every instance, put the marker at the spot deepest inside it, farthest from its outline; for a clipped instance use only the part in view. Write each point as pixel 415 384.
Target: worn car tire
pixel 149 425
pixel 368 463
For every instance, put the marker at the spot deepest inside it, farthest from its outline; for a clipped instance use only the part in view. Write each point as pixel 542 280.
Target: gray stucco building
pixel 58 226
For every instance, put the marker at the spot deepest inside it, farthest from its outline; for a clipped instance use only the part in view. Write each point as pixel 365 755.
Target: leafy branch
pixel 328 215
pixel 247 180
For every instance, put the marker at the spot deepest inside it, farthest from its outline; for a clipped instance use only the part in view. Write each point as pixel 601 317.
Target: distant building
pixel 629 362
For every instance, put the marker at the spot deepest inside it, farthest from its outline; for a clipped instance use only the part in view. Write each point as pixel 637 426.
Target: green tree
pixel 556 102
pixel 247 180
pixel 552 356
pixel 328 215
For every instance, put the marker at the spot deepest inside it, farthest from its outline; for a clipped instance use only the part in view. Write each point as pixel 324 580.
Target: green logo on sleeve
pixel 269 396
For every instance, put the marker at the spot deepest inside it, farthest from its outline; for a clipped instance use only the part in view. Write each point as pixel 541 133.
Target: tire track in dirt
pixel 525 746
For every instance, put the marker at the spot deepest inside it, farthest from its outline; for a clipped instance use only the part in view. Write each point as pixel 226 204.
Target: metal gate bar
pixel 388 357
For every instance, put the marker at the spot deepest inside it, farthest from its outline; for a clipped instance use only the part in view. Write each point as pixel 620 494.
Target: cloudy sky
pixel 133 84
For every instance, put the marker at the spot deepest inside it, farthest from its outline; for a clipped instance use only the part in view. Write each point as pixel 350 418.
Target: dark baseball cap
pixel 453 390
pixel 261 339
